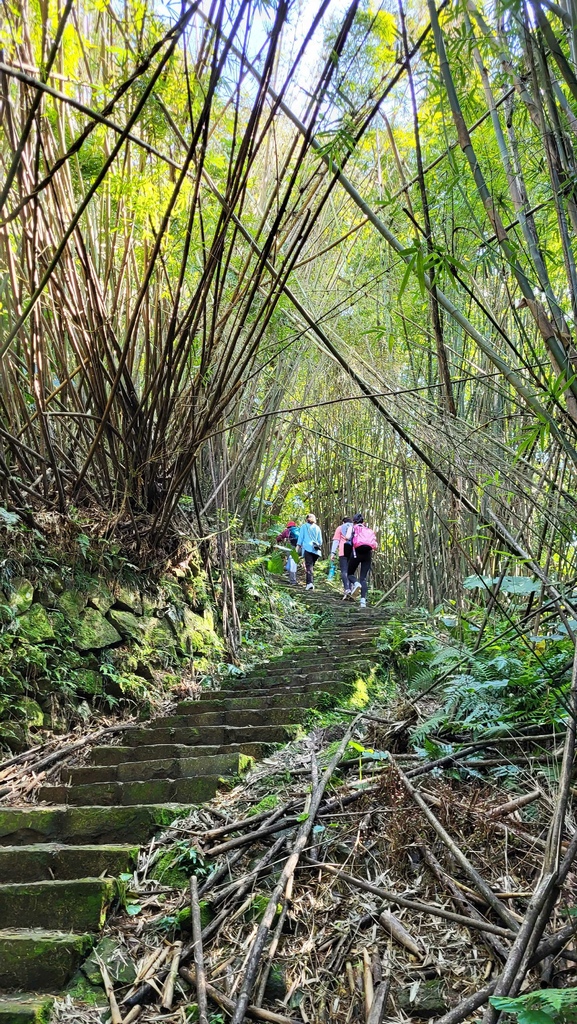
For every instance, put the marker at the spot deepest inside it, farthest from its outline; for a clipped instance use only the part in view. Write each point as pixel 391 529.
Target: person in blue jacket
pixel 309 544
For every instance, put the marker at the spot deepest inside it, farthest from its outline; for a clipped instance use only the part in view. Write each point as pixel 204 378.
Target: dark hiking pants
pixel 310 559
pixel 344 569
pixel 362 556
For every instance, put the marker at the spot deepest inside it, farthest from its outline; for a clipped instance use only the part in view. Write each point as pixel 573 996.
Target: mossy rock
pixel 127 623
pixel 128 599
pixel 167 871
pixel 14 736
pixel 72 603
pixel 21 595
pixel 196 634
pixel 88 682
pixel 93 631
pixel 30 711
pixel 35 626
pixel 113 956
pixel 160 639
pixel 276 985
pixel 99 596
pixel 184 916
pixel 429 1001
pixel 80 989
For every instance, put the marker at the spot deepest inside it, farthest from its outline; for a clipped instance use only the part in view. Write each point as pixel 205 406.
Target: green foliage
pixel 506 682
pixel 545 1006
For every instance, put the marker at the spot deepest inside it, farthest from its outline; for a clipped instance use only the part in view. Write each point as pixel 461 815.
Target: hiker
pixel 290 534
pixel 342 544
pixel 310 544
pixel 364 543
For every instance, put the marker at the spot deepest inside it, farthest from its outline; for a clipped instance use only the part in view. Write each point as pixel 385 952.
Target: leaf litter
pixel 378 921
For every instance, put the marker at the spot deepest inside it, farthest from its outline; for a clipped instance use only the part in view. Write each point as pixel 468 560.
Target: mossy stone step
pixel 40 960
pixel 21 826
pixel 161 768
pixel 274 716
pixel 259 692
pixel 211 734
pixel 44 861
pixel 127 794
pixel 158 751
pixel 309 673
pixel 25 1009
pixel 79 904
pixel 261 705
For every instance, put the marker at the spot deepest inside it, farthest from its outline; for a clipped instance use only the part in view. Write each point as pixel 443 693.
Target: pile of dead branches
pixel 377 887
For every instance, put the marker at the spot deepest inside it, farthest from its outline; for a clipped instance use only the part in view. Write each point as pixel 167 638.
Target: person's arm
pixel 301 536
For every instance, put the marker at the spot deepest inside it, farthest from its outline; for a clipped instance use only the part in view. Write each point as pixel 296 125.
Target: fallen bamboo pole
pixel 218 997
pixel 198 952
pixel 287 873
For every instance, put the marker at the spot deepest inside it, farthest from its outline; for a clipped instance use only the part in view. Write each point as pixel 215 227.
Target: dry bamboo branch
pixel 168 990
pixel 277 895
pixel 256 1012
pixel 422 908
pixel 400 934
pixel 479 883
pixel 115 1014
pixel 198 952
pixel 379 1002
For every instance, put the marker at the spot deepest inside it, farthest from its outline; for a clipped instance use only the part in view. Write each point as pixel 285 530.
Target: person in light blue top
pixel 309 544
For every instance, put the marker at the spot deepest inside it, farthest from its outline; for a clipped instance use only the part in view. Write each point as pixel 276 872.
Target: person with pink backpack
pixel 364 543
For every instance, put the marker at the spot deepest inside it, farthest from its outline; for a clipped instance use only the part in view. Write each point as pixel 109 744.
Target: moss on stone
pixel 30 711
pixel 72 603
pixel 127 623
pixel 26 1010
pixel 268 803
pixel 93 631
pixel 169 872
pixel 34 625
pixel 40 960
pixel 82 991
pixel 21 595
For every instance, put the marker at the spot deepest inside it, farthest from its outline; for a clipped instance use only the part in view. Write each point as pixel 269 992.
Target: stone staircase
pixel 59 858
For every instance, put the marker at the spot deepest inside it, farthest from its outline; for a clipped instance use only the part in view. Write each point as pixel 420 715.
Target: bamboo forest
pixel 288 511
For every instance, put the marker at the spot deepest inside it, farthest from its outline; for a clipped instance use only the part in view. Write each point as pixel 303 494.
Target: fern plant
pixel 546 1006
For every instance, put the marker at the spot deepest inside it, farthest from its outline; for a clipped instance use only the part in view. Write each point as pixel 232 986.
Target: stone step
pixel 161 768
pixel 154 752
pixel 158 751
pixel 201 719
pixel 40 960
pixel 211 702
pixel 25 1009
pixel 128 794
pixel 22 826
pixel 211 734
pixel 44 861
pixel 77 904
pixel 334 685
pixel 308 673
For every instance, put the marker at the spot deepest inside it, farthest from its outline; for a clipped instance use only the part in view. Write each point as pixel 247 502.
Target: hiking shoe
pixel 363 603
pixel 310 586
pixel 347 595
pixel 356 586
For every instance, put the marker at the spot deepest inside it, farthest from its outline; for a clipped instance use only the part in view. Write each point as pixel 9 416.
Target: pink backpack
pixel 364 536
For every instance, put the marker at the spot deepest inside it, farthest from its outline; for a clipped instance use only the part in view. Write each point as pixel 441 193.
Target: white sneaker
pixel 363 603
pixel 346 595
pixel 356 586
pixel 310 586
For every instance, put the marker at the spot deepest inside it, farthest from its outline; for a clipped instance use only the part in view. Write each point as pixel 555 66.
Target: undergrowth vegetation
pixel 507 680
